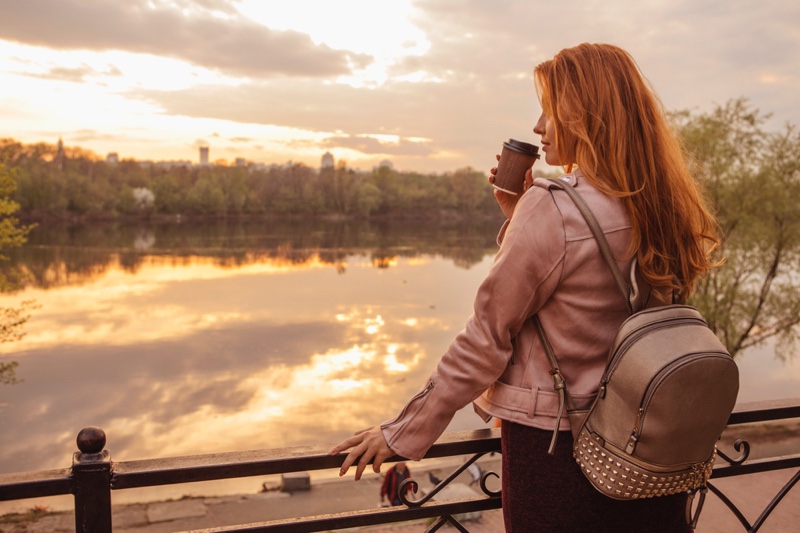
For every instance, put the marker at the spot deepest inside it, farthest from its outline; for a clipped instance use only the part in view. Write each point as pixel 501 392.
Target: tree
pixel 168 194
pixel 367 198
pixel 468 189
pixel 207 196
pixel 143 199
pixel 12 234
pixel 753 177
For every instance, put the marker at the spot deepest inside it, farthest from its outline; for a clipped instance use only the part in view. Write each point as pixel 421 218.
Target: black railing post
pixel 91 476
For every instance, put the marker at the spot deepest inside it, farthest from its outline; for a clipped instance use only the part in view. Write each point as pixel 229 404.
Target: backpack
pixel 666 394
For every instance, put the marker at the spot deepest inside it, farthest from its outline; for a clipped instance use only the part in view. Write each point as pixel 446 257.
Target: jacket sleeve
pixel 524 274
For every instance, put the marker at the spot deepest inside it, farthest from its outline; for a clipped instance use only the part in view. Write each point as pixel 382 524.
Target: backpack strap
pixel 559 383
pixel 628 293
pixel 602 242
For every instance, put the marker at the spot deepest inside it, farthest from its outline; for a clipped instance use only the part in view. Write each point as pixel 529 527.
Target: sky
pixel 430 85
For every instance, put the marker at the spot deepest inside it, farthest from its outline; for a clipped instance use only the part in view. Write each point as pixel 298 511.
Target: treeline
pixel 80 184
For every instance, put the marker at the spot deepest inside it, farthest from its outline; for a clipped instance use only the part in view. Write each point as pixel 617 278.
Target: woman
pixel 603 124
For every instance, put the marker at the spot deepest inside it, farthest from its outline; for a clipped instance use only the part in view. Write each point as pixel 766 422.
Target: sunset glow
pixel 427 88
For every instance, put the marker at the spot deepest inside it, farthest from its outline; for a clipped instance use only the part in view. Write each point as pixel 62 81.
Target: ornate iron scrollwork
pixel 442 520
pixel 738 445
pixel 743 446
pixel 487 490
pixel 435 490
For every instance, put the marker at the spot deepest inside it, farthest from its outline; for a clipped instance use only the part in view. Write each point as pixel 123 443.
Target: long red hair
pixel 610 123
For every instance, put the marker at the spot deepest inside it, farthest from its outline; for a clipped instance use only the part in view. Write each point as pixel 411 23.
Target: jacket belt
pixel 534 403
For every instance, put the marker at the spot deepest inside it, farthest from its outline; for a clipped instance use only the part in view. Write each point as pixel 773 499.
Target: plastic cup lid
pixel 523 147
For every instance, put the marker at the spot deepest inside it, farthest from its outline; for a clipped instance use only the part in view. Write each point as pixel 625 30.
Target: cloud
pixel 89 135
pixel 220 6
pixel 370 145
pixel 470 89
pixel 234 45
pixel 73 74
pixel 459 117
pixel 696 54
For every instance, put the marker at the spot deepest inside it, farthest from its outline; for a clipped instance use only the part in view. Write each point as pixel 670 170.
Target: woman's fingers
pixel 365 446
pixel 380 457
pixel 493 170
pixel 345 444
pixel 492 173
pixel 351 458
pixel 355 440
pixel 362 464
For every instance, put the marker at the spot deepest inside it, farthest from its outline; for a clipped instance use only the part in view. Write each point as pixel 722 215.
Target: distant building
pixel 112 158
pixel 59 160
pixel 327 160
pixel 241 162
pixel 204 155
pixel 386 163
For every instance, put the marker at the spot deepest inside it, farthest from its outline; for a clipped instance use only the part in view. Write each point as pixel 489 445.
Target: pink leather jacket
pixel 548 264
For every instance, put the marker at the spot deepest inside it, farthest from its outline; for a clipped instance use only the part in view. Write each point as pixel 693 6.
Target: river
pixel 187 338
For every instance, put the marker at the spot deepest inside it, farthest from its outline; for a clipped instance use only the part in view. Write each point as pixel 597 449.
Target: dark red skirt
pixel 544 492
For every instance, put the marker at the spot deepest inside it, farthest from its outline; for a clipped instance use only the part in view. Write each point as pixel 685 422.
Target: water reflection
pixel 64 255
pixel 177 351
pixel 182 340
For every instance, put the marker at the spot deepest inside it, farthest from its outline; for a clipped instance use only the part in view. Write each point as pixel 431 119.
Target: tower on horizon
pixel 204 155
pixel 60 154
pixel 327 160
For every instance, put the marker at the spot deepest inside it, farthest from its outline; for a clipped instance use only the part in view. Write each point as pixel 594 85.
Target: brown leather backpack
pixel 667 392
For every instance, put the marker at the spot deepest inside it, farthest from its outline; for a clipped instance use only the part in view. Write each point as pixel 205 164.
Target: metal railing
pixel 93 476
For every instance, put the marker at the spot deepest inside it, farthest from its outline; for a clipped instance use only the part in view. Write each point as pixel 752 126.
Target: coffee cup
pixel 515 160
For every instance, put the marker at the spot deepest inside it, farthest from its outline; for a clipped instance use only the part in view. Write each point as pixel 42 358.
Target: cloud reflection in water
pixel 190 357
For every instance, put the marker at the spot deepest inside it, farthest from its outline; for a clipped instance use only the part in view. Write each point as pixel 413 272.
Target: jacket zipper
pixel 653 386
pixel 424 392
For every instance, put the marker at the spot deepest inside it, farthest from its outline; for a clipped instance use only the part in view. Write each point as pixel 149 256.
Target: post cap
pixel 91 440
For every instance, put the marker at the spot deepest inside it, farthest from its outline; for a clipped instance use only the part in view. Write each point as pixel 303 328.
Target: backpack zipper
pixel 653 386
pixel 634 336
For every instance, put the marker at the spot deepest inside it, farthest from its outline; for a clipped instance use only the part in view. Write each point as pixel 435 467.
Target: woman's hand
pixel 366 444
pixel 506 201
